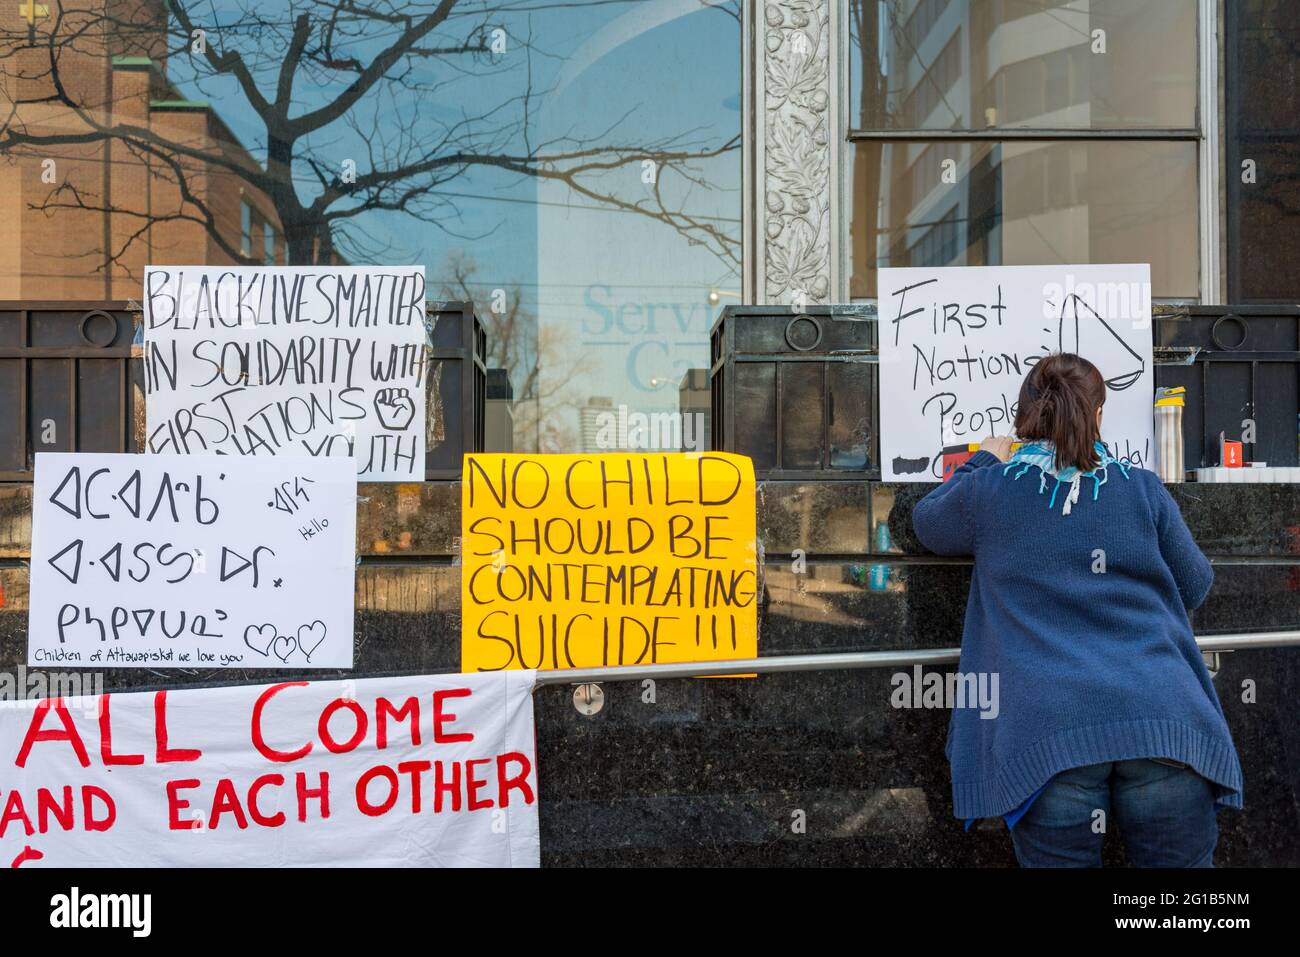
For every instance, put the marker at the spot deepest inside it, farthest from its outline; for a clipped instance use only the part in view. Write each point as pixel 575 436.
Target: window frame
pixel 1205 134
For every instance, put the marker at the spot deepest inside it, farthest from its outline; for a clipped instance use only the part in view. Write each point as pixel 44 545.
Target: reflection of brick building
pixel 122 199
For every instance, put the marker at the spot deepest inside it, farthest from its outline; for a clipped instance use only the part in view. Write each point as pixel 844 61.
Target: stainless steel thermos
pixel 1169 433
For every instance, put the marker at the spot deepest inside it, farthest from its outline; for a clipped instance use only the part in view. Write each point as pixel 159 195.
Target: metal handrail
pixel 782 664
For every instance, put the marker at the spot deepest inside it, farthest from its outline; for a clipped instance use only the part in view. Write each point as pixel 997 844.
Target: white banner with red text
pixel 435 771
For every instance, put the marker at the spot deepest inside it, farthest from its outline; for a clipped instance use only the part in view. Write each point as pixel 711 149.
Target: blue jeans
pixel 1165 811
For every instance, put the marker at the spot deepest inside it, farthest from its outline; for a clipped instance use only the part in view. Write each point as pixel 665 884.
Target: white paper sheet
pixel 186 561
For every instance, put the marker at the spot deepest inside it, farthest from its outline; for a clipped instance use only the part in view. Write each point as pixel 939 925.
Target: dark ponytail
pixel 1059 401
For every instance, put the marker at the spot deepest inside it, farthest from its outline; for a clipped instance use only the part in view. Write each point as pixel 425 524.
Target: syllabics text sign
pixel 380 772
pixel 320 360
pixel 579 561
pixel 192 561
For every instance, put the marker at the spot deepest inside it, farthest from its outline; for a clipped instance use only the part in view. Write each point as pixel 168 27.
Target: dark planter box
pixel 455 386
pixel 795 391
pixel 67 383
pixel 1237 363
pixel 798 392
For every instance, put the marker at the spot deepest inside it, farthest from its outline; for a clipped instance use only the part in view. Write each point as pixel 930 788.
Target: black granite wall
pixel 800 769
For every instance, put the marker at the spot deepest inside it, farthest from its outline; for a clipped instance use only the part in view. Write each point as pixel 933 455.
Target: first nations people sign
pixel 382 772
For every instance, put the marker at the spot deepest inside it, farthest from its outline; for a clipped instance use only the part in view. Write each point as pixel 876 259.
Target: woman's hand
pixel 999 445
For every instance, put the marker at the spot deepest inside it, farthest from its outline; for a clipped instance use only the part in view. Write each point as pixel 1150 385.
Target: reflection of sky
pixel 625 73
pixel 630 292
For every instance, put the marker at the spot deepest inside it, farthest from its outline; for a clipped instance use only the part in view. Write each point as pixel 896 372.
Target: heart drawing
pixel 284 646
pixel 266 640
pixel 259 638
pixel 310 637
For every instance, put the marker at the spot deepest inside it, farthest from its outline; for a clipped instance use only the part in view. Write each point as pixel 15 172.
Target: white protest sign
pixel 288 360
pixel 956 343
pixel 192 561
pixel 380 772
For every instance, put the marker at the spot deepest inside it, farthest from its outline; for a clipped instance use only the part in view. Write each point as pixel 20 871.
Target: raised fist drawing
pixel 395 409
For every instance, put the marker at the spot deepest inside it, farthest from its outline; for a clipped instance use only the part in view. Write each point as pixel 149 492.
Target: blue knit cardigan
pixel 1083 618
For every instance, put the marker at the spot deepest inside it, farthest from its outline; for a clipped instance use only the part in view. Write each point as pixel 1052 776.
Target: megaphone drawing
pixel 1084 332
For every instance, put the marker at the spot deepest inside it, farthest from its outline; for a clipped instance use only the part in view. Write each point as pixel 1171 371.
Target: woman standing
pixel 1084 574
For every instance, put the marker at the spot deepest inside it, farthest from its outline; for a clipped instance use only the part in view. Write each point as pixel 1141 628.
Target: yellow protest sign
pixel 583 561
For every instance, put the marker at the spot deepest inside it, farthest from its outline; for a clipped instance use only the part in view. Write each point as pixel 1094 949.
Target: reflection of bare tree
pixel 357 112
pixel 872 103
pixel 729 7
pixel 866 227
pixel 517 344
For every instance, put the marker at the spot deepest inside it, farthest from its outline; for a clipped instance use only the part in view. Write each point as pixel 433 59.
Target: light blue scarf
pixel 1043 454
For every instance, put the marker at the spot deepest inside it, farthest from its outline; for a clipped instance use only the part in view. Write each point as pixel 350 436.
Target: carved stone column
pixel 792 158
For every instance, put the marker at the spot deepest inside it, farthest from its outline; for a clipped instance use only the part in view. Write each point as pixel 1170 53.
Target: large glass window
pixel 990 132
pixel 1262 38
pixel 572 168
